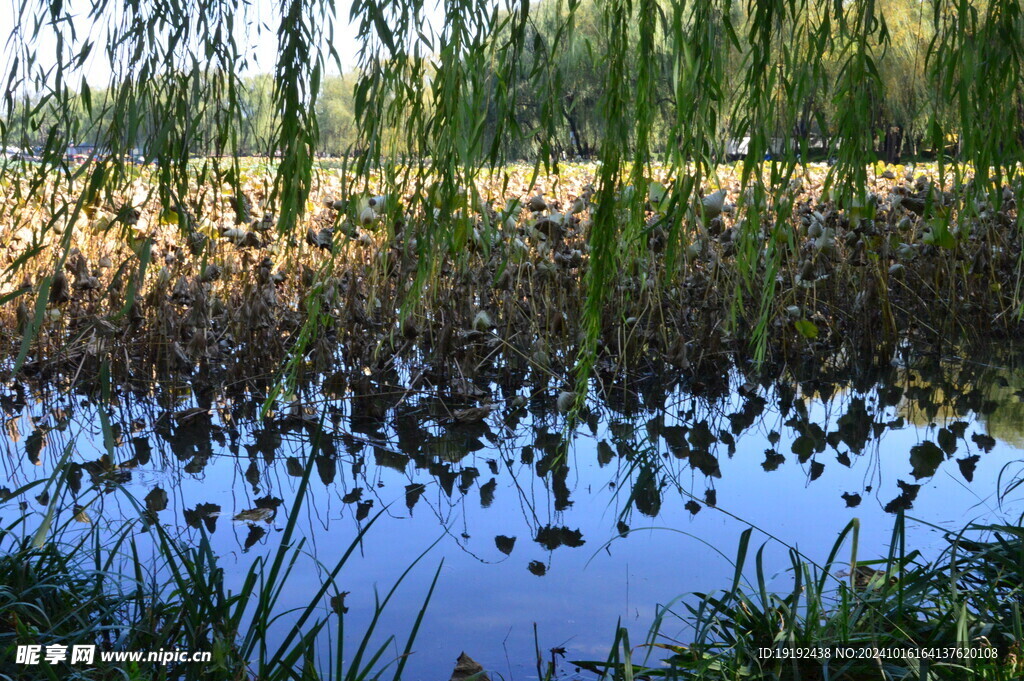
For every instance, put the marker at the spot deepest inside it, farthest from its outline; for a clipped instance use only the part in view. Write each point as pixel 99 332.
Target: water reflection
pixel 512 485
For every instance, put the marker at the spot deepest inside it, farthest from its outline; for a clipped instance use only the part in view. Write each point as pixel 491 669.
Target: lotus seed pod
pixel 367 216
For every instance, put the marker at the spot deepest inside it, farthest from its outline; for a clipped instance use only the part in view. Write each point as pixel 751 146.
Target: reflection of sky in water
pixel 485 602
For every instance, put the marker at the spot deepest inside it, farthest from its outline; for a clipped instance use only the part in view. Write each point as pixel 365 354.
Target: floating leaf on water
pixel 468 669
pixel 80 515
pixel 605 453
pixel 461 387
pixel 711 497
pixel 156 500
pixel 538 568
pixel 255 515
pixel 852 500
pixel 363 509
pixel 472 414
pixel 505 544
pixel 293 466
pixel 191 414
pixel 692 506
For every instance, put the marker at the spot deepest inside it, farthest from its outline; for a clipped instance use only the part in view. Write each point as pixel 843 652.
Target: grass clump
pixel 72 587
pixel 902 617
pixel 75 594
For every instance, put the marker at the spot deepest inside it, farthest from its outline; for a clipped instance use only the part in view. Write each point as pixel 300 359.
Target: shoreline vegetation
pixel 207 291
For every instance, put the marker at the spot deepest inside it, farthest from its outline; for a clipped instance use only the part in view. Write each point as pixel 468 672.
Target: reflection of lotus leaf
pixel 206 514
pixel 413 493
pixel 772 460
pixel 947 440
pixel 855 425
pixel 905 501
pixel 967 465
pixel 255 534
pixel 646 494
pixel 925 459
pixel 551 537
pixel 505 544
pixel 701 436
pixel 487 493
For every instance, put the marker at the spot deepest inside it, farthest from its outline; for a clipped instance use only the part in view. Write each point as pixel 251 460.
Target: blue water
pixel 489 604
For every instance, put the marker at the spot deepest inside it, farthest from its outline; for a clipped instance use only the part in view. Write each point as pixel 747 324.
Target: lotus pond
pixel 547 532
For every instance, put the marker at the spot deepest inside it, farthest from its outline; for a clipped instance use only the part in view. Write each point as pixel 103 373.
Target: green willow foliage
pixel 437 103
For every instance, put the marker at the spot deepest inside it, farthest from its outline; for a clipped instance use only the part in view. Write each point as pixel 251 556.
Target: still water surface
pixel 540 529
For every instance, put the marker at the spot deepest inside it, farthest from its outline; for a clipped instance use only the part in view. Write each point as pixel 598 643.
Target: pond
pixel 547 533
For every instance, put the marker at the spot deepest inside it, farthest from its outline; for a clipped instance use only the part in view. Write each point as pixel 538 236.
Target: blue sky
pixel 258 33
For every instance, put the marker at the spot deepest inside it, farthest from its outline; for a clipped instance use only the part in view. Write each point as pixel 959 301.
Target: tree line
pixel 556 92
